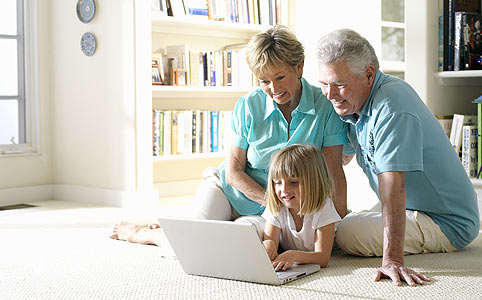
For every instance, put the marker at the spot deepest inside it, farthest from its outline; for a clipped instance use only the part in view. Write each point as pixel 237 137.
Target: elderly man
pixel 428 202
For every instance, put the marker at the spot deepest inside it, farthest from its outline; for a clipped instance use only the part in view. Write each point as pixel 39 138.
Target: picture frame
pixel 179 77
pixel 157 75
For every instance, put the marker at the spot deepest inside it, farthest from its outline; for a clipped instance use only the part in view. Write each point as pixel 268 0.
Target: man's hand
pixel 399 273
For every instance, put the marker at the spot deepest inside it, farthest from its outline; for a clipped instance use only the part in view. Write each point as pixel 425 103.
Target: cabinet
pixel 201 35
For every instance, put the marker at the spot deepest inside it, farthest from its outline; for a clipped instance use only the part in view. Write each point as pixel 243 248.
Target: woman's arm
pixel 324 237
pixel 271 240
pixel 334 157
pixel 236 175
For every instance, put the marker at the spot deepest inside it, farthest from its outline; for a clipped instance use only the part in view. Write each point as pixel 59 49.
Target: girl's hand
pixel 271 249
pixel 284 261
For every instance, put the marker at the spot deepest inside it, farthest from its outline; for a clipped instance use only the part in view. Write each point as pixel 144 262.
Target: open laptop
pixel 224 249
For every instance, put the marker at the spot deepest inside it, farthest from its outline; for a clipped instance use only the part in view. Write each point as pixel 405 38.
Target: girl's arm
pixel 271 240
pixel 324 237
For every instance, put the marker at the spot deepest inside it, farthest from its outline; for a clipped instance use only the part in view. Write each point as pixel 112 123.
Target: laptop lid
pixel 224 249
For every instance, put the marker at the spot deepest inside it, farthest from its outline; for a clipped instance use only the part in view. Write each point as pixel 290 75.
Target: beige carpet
pixel 61 251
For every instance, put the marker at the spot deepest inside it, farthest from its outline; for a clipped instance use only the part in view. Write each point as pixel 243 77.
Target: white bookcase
pixel 175 171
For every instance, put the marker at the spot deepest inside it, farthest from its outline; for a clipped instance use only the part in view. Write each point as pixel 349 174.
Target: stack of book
pixel 464 135
pixel 460 35
pixel 263 12
pixel 179 65
pixel 190 131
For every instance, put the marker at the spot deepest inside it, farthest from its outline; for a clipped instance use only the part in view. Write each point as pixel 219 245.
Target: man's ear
pixel 370 73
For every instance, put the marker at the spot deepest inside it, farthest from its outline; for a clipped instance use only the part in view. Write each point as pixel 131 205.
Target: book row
pixel 460 35
pixel 462 133
pixel 263 12
pixel 179 65
pixel 190 131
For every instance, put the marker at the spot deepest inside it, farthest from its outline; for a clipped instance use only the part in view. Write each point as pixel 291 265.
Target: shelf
pixel 460 78
pixel 174 92
pixel 189 156
pixel 201 27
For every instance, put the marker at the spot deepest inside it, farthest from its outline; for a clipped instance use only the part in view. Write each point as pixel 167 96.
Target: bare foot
pixel 135 233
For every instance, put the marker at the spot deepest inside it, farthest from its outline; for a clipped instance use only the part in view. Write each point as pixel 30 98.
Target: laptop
pixel 227 250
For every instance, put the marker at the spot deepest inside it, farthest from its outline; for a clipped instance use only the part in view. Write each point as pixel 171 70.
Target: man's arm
pixel 391 187
pixel 333 156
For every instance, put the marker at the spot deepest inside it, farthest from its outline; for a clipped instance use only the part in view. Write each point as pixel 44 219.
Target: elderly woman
pixel 284 110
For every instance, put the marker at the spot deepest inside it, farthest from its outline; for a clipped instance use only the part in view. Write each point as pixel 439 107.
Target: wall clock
pixel 88 44
pixel 85 10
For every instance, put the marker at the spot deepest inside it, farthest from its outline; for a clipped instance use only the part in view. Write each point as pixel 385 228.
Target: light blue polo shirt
pixel 259 127
pixel 397 132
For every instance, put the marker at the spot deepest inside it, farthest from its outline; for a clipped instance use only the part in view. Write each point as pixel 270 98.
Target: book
pixel 478 101
pixel 468 41
pixel 197 8
pixel 196 68
pixel 167 132
pixel 459 121
pixel 472 41
pixel 469 150
pixel 227 68
pixel 177 8
pixel 214 117
pixel 155 132
pixel 446 123
pixel 174 132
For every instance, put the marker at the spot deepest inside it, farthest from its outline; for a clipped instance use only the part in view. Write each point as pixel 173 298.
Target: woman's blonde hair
pixel 274 47
pixel 307 164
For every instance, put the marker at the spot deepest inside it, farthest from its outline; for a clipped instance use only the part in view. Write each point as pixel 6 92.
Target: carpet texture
pixel 65 253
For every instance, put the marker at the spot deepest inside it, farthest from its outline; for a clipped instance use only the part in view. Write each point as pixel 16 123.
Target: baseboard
pixel 107 197
pixel 82 194
pixel 28 194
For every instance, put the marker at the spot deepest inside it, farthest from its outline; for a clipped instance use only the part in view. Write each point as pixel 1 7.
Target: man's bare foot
pixel 135 233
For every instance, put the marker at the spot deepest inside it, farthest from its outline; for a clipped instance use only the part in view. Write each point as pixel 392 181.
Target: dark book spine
pixel 450 38
pixel 458 42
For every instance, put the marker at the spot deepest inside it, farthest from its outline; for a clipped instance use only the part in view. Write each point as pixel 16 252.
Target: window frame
pixel 27 96
pixel 393 66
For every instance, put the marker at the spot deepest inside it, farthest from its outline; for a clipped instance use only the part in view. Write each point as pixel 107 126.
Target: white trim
pixel 393 24
pixel 107 197
pixel 81 194
pixel 26 194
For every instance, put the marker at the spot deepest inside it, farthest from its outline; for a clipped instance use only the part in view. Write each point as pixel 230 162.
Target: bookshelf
pixel 458 78
pixel 183 171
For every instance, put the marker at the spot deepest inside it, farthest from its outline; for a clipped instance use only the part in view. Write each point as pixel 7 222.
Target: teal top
pixel 260 128
pixel 397 132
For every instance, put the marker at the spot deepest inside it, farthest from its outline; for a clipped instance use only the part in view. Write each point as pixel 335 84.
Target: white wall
pixel 93 115
pixel 89 110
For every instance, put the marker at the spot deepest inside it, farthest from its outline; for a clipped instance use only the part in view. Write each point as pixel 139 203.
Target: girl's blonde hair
pixel 276 46
pixel 307 164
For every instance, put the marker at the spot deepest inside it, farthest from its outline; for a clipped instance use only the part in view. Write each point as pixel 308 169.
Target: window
pixel 393 37
pixel 16 74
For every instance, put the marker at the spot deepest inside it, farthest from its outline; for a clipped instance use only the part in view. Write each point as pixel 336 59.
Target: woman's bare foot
pixel 135 233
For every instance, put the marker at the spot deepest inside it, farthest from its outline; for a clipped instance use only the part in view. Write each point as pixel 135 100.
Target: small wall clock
pixel 85 10
pixel 88 44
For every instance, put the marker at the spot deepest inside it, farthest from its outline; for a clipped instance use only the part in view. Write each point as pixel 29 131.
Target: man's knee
pixel 359 235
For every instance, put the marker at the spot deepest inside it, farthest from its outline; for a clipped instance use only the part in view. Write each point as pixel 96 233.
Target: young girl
pixel 300 215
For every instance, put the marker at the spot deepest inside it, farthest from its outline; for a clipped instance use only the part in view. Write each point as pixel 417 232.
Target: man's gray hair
pixel 347 44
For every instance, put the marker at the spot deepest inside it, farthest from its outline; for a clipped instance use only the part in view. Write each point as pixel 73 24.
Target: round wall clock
pixel 88 44
pixel 85 10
